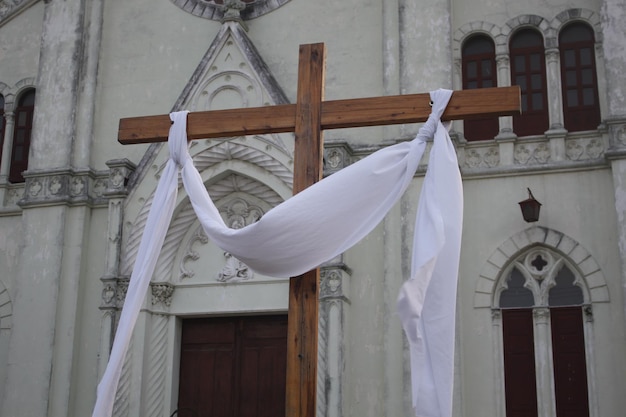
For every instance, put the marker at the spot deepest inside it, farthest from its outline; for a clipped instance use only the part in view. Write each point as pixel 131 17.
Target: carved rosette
pixel 109 294
pixel 336 157
pixel 532 153
pixel 120 171
pixel 60 187
pixel 485 157
pixel 584 149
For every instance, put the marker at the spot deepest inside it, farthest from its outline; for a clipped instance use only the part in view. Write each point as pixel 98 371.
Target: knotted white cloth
pixel 320 223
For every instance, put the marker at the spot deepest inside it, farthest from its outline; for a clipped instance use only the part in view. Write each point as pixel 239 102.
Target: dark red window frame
pixel 479 71
pixel 528 70
pixel 581 108
pixel 21 136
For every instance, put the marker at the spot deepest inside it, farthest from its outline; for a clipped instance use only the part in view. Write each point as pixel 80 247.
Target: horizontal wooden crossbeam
pixel 335 114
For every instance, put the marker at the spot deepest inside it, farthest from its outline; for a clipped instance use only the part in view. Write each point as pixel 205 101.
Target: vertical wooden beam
pixel 304 290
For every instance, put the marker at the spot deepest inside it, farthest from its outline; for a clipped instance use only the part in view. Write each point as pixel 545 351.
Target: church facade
pixel 541 317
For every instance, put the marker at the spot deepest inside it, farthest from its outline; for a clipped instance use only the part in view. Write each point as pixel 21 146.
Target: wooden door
pixel 570 370
pixel 519 363
pixel 233 367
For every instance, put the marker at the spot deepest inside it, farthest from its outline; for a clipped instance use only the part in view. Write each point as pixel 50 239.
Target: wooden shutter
pixel 519 363
pixel 570 370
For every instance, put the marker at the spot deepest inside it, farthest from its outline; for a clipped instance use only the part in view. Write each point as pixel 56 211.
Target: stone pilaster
pixel 613 41
pixel 334 292
pixel 50 261
pixel 116 191
pixel 427 41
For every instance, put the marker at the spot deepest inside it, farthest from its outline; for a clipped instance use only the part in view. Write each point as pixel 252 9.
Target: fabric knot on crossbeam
pixel 310 229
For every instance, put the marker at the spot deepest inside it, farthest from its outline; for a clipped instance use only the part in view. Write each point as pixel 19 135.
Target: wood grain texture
pixel 335 114
pixel 302 332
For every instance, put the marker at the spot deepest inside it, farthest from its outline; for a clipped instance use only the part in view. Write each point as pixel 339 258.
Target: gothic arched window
pixel 541 302
pixel 21 136
pixel 479 71
pixel 528 70
pixel 581 109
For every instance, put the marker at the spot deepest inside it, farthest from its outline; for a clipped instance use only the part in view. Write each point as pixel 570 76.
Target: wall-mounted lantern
pixel 530 208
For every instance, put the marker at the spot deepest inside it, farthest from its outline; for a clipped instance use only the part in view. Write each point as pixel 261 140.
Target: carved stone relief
pixel 222 10
pixel 584 149
pixel 487 157
pixel 532 153
pixel 161 293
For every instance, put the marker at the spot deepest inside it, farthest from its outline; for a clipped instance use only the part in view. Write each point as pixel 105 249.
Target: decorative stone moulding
pixel 229 9
pixel 335 280
pixel 617 136
pixel 337 156
pixel 62 187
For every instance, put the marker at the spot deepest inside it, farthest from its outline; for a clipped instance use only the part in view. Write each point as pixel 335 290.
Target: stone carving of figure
pixel 234 270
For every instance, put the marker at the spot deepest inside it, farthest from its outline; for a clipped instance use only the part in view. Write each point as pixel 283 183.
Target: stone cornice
pixel 72 187
pixel 75 187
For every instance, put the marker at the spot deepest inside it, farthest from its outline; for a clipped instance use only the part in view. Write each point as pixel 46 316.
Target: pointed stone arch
pixel 578 259
pixel 247 165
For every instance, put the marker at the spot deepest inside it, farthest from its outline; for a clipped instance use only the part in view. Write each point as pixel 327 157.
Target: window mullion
pixel 544 362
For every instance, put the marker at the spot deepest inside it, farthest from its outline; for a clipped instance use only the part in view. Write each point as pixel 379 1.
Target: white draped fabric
pixel 320 223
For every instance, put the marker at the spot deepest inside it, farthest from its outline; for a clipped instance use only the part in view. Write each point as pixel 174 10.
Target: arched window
pixel 541 292
pixel 581 109
pixel 528 70
pixel 479 71
pixel 21 136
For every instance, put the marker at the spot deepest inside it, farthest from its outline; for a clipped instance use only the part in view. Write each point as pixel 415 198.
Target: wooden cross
pixel 308 118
